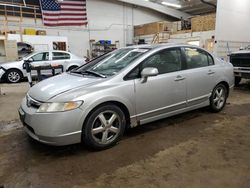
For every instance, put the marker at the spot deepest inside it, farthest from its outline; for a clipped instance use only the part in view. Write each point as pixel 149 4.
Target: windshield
pixel 110 64
pixel 26 56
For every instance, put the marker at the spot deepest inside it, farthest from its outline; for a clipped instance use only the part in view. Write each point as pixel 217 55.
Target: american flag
pixel 64 12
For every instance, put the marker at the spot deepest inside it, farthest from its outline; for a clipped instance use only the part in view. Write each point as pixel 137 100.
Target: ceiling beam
pixel 159 8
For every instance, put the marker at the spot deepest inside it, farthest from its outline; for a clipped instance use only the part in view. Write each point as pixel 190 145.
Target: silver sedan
pixel 125 88
pixel 13 72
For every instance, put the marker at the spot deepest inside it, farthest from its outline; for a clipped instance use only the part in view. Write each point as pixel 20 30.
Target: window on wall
pixel 196 58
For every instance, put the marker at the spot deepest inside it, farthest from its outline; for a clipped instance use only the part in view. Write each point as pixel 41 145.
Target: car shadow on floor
pixel 130 133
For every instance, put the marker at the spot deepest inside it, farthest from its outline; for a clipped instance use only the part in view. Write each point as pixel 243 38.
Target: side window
pixel 197 58
pixel 165 61
pixel 210 60
pixel 60 56
pixel 41 57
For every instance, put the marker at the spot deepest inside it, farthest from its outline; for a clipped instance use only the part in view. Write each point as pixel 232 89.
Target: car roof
pixel 153 46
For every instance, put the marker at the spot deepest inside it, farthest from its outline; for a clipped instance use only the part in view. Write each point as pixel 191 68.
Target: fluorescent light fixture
pixel 171 4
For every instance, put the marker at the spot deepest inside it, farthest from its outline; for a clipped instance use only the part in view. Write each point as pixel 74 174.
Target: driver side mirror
pixel 148 72
pixel 30 60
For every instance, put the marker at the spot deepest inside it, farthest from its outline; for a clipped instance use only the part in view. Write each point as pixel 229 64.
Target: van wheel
pixel 13 76
pixel 218 98
pixel 104 127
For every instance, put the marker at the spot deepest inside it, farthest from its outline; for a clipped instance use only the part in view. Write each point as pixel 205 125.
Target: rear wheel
pixel 13 76
pixel 218 98
pixel 237 81
pixel 104 127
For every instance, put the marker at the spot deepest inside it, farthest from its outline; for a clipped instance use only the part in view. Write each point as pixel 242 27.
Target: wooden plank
pixel 150 28
pixel 203 23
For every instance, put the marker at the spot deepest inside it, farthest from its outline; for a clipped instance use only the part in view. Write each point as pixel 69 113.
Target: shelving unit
pixel 98 48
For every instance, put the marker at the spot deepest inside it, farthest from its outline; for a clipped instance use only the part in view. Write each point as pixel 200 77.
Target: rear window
pixel 60 56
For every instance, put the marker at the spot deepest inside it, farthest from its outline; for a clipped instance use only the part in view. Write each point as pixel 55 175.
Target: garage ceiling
pixel 193 7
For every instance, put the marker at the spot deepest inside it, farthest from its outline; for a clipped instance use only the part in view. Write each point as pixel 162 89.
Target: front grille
pixel 240 60
pixel 32 102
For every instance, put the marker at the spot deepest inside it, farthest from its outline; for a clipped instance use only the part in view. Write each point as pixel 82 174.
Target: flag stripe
pixel 66 13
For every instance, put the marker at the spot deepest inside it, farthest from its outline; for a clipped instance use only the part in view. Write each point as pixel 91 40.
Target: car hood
pixel 7 64
pixel 51 87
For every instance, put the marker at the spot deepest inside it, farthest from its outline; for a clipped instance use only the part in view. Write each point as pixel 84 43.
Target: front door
pixel 40 59
pixel 164 93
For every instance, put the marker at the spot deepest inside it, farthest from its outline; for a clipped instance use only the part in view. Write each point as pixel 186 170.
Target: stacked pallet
pixel 150 28
pixel 203 23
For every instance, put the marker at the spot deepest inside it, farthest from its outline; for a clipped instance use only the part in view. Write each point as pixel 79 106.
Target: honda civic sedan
pixel 14 71
pixel 128 87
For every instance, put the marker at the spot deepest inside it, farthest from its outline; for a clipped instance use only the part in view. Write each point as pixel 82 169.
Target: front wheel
pixel 104 127
pixel 218 98
pixel 13 76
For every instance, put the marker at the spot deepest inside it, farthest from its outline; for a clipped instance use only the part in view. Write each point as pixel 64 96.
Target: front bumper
pixel 61 128
pixel 2 72
pixel 243 72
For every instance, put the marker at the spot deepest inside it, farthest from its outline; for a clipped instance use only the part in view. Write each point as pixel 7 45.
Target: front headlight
pixel 59 107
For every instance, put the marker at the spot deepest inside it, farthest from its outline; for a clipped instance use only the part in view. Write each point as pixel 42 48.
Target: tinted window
pixel 197 58
pixel 165 61
pixel 41 57
pixel 60 56
pixel 210 60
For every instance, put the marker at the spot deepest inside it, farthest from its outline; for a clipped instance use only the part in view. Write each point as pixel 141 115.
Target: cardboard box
pixel 41 32
pixel 28 31
pixel 203 23
pixel 151 28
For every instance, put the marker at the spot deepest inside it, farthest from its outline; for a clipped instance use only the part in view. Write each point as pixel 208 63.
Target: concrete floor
pixel 195 149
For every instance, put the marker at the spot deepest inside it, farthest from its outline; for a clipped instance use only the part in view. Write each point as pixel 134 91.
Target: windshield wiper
pixel 89 72
pixel 95 73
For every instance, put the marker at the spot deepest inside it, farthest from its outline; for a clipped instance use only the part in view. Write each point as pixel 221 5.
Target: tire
pixel 218 98
pixel 72 67
pixel 13 76
pixel 237 81
pixel 98 133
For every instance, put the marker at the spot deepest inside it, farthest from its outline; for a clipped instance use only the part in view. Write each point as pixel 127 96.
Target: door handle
pixel 179 78
pixel 210 72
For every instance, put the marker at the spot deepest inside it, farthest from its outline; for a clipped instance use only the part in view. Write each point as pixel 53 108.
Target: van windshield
pixel 111 63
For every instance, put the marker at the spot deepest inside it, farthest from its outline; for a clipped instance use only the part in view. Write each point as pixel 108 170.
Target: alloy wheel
pixel 106 127
pixel 14 77
pixel 219 97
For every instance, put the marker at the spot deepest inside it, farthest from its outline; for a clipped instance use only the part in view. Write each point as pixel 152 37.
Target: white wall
pixel 232 26
pixel 108 19
pixel 232 20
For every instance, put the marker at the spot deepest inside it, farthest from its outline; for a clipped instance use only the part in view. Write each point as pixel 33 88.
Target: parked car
pixel 241 63
pixel 125 88
pixel 13 72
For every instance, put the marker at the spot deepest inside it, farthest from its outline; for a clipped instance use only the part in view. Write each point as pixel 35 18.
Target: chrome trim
pixel 199 98
pixel 163 108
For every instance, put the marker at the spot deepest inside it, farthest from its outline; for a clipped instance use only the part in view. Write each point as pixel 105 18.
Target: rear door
pixel 200 74
pixel 60 58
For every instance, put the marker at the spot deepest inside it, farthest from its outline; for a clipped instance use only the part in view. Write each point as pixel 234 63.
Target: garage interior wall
pixel 108 20
pixel 232 26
